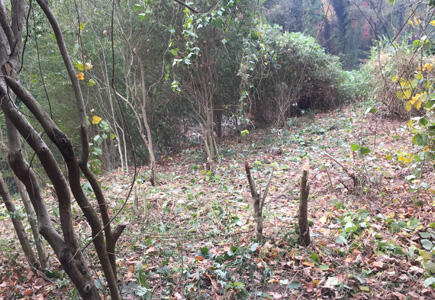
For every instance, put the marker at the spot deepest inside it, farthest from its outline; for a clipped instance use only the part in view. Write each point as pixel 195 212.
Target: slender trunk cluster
pixel 65 243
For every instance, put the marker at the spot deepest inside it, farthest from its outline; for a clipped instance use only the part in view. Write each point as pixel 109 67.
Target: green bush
pixel 284 73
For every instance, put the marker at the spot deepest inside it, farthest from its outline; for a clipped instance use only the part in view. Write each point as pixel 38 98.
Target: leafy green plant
pixel 95 146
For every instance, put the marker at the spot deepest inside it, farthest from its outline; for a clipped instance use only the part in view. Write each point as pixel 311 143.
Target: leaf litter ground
pixel 192 237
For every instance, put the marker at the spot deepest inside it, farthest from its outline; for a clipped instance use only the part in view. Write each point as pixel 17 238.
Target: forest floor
pixel 193 236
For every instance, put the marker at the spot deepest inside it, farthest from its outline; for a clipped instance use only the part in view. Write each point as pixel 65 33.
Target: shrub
pixel 284 73
pixel 385 64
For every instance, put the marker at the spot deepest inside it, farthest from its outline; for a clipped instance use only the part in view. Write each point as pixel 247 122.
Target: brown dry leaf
pixel 28 292
pixel 151 250
pixel 378 264
pixel 308 264
pixel 399 296
pixel 29 275
pixel 128 275
pixel 199 258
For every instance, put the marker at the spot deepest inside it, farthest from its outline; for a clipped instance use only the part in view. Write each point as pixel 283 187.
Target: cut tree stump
pixel 257 201
pixel 304 228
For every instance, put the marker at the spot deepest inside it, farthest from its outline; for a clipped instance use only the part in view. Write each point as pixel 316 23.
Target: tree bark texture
pixel 304 228
pixel 256 204
pixel 31 217
pixel 18 225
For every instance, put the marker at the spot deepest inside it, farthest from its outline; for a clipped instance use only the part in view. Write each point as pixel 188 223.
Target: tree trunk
pixel 149 139
pixel 67 250
pixel 18 225
pixel 40 245
pixel 31 217
pixel 209 139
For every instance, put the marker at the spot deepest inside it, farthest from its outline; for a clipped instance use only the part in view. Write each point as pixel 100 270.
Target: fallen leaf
pixel 308 264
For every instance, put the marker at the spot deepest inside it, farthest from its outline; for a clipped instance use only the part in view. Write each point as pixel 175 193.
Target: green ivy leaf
pixel 364 150
pixel 430 282
pixel 426 244
pixel 354 147
pixel 423 121
pixel 413 223
pixel 294 285
pixel 315 258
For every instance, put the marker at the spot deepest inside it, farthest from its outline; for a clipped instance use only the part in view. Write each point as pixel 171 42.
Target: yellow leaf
pixel 426 255
pixel 88 66
pixel 80 76
pixel 273 281
pixel 410 123
pixel 429 67
pixel 418 104
pixel 417 20
pixel 80 67
pixel 96 119
pixel 407 94
pixel 410 22
pixel 394 79
pixel 408 105
pixel 323 219
pixel 432 22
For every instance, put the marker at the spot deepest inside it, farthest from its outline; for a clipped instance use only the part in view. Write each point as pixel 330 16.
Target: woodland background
pixel 150 111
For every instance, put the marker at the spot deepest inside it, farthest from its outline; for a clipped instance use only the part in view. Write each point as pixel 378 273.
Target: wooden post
pixel 304 228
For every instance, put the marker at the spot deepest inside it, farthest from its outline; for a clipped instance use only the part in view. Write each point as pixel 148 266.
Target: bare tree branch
pixel 185 5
